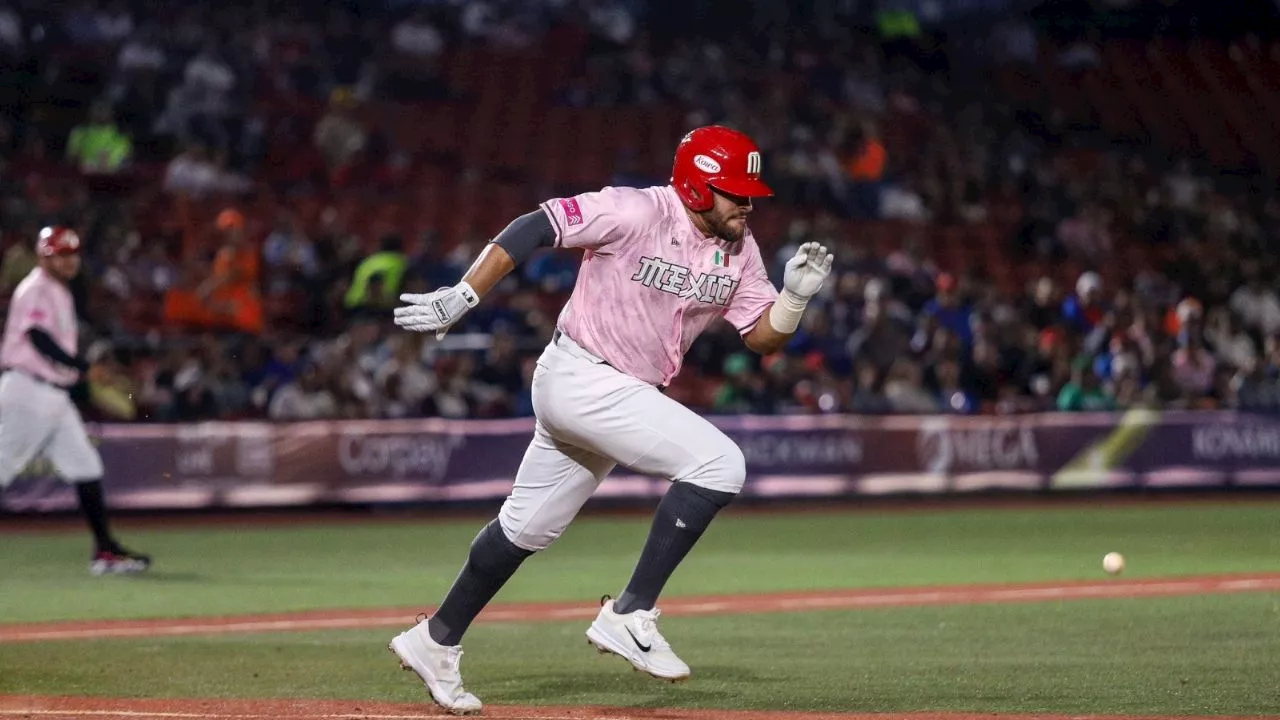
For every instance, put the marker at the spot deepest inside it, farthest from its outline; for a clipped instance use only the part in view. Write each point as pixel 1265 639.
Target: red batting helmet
pixel 57 241
pixel 720 158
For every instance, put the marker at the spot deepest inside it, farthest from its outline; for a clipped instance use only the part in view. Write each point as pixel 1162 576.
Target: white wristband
pixel 468 294
pixel 785 314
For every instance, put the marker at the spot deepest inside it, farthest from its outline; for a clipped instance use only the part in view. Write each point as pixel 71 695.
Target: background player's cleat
pixel 635 637
pixel 118 561
pixel 437 665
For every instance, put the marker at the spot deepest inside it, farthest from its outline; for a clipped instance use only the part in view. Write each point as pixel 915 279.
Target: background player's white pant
pixel 592 417
pixel 36 418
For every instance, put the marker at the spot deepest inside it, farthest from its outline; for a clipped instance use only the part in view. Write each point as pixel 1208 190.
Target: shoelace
pixel 648 622
pixel 454 657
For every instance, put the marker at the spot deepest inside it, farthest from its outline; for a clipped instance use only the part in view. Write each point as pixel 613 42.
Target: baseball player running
pixel 40 364
pixel 659 265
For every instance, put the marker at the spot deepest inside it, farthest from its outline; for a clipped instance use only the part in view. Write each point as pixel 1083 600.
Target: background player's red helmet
pixel 57 241
pixel 716 157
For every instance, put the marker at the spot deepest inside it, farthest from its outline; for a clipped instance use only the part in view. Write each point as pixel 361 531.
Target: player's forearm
pixel 493 264
pixel 440 310
pixel 778 324
pixel 765 339
pixel 48 347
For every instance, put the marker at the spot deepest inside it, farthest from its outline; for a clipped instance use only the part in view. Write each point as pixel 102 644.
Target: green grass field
pixel 1214 654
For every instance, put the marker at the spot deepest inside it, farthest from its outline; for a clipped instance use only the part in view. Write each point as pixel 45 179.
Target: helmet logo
pixel 753 163
pixel 706 164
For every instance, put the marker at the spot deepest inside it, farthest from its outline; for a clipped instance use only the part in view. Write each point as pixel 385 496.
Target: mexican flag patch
pixel 720 258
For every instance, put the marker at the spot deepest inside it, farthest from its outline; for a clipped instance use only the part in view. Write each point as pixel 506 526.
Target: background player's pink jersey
pixel 650 283
pixel 42 301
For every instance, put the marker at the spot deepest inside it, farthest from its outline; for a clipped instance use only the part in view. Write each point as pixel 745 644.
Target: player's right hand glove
pixel 437 310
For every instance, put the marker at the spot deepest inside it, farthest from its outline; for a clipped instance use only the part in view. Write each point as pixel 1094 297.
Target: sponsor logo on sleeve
pixel 572 213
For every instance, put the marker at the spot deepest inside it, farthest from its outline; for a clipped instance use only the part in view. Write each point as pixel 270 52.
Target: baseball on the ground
pixel 1113 562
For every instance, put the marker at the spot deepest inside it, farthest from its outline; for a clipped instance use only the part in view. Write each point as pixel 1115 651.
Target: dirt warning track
pixel 679 606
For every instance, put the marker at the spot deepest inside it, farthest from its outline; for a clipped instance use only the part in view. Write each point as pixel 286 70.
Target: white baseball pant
pixel 40 419
pixel 591 417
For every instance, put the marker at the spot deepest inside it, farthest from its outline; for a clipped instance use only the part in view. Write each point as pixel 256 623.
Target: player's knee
pixel 734 470
pixel 82 469
pixel 727 472
pixel 528 536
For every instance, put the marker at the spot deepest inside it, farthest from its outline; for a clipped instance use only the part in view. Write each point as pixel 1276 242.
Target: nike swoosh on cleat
pixel 643 648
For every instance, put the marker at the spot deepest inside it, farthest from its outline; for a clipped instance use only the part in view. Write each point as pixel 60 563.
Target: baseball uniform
pixel 656 271
pixel 37 416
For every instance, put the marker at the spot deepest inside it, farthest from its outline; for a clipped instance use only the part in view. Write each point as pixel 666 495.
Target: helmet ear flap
pixel 697 196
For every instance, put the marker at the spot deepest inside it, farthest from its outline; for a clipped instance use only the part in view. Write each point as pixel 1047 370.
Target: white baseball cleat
pixel 437 665
pixel 635 636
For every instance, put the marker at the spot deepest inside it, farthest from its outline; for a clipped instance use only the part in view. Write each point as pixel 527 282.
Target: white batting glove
pixel 436 310
pixel 807 271
pixel 803 278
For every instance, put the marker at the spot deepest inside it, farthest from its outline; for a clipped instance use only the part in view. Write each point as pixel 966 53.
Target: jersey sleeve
pixel 754 295
pixel 598 219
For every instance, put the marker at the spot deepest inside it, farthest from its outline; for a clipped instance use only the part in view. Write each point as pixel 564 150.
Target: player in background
pixel 659 265
pixel 38 356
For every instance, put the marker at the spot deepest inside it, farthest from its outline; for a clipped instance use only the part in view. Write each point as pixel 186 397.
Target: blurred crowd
pixel 881 124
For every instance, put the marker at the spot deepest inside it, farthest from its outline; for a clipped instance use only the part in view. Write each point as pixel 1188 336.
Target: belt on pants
pixel 42 381
pixel 555 339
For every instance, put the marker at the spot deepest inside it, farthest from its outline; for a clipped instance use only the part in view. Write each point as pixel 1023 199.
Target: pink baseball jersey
pixel 40 301
pixel 650 283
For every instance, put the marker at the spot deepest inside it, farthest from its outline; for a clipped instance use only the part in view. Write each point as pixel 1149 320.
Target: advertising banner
pixel 219 465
